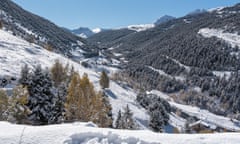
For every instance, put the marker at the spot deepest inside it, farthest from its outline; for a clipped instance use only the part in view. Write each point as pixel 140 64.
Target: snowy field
pixel 86 133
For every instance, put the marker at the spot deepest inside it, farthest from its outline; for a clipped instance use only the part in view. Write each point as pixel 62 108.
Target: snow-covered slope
pixel 232 38
pixel 86 133
pixel 15 53
pixel 141 27
pixel 204 115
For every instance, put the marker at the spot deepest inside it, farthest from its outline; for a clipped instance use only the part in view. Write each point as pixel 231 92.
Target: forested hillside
pixel 195 51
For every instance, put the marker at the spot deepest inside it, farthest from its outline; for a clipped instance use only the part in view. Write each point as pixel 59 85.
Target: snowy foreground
pixel 87 133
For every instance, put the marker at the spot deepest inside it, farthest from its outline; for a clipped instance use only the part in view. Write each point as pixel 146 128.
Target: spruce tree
pixel 104 80
pixel 156 121
pixel 128 122
pixel 59 104
pixel 41 98
pixel 119 121
pixel 24 76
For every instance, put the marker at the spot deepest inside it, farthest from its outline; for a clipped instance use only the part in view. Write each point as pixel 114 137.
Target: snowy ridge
pixel 86 133
pixel 141 27
pixel 232 38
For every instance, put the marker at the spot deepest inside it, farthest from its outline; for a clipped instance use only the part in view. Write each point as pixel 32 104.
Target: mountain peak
pixel 163 19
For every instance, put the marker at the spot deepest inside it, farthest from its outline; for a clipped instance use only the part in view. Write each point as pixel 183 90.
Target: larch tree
pixel 18 110
pixel 104 80
pixel 59 73
pixel 3 105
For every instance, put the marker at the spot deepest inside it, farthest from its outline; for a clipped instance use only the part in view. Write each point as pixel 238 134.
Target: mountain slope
pixel 16 52
pixel 185 54
pixel 39 30
pixel 164 19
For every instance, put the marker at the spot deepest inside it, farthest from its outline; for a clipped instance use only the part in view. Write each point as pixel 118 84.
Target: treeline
pixel 53 96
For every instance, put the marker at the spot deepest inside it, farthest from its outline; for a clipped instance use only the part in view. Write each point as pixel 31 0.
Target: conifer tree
pixel 73 98
pixel 1 24
pixel 119 121
pixel 59 73
pixel 41 98
pixel 3 105
pixel 24 76
pixel 59 104
pixel 128 122
pixel 104 80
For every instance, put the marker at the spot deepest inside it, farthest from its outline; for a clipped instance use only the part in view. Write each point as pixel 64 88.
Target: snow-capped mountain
pixel 164 19
pixel 83 32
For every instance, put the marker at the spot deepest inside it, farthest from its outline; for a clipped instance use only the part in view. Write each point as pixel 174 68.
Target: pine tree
pixel 24 76
pixel 3 105
pixel 1 24
pixel 119 121
pixel 59 104
pixel 156 121
pixel 41 98
pixel 104 80
pixel 158 116
pixel 128 122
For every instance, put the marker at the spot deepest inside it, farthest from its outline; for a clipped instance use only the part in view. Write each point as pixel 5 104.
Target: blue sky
pixel 114 13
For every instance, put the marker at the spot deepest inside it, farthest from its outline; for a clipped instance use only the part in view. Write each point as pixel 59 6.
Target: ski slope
pixel 16 52
pixel 87 133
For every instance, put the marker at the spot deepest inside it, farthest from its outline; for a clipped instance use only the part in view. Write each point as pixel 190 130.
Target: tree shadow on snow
pixel 99 138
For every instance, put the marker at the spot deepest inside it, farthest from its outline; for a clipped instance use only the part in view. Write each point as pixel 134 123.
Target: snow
pixel 218 9
pixel 81 133
pixel 232 38
pixel 16 52
pixel 141 27
pixel 204 115
pixel 221 74
pixel 97 30
pixel 121 97
pixel 161 72
pixel 117 54
pixel 208 117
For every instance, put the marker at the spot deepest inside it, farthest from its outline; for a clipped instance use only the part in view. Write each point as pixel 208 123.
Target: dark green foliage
pixel 158 109
pixel 41 97
pixel 125 120
pixel 25 76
